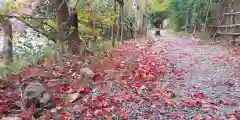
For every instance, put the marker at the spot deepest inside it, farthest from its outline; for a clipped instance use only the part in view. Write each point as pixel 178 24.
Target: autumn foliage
pixel 135 73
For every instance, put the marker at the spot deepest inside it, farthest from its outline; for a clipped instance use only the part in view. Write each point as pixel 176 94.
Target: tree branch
pixel 120 2
pixel 49 26
pixel 19 17
pixel 75 6
pixel 37 30
pixel 25 16
pixel 61 4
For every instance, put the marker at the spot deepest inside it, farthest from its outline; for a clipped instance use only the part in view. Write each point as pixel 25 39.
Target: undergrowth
pixel 51 51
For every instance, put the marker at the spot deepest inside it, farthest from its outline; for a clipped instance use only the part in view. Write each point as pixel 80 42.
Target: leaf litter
pixel 136 80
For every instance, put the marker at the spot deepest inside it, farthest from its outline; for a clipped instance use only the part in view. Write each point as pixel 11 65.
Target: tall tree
pixel 67 26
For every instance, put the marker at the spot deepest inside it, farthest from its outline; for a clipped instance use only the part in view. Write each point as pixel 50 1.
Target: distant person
pixel 157 25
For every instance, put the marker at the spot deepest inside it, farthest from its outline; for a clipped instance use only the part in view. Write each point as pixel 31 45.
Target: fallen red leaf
pixel 108 118
pixel 99 112
pixel 98 76
pixel 156 92
pixel 176 115
pixel 199 95
pixel 118 110
pixel 124 115
pixel 26 115
pixel 64 116
pixel 228 102
pixel 193 103
pixel 97 104
pixel 198 117
pixel 3 108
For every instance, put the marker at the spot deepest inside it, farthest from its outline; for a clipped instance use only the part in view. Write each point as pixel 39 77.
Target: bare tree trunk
pixel 143 22
pixel 7 44
pixel 206 18
pixel 121 19
pixel 118 28
pixel 62 19
pixel 131 31
pixel 122 23
pixel 75 43
pixel 67 27
pixel 114 25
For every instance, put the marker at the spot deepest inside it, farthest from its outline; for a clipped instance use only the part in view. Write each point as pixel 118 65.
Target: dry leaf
pixel 108 118
pixel 72 97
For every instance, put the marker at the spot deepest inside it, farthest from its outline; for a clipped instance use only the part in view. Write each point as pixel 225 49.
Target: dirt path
pixel 199 75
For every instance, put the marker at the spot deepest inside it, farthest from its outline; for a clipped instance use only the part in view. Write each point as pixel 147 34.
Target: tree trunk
pixel 131 31
pixel 7 44
pixel 143 23
pixel 75 43
pixel 67 27
pixel 121 17
pixel 118 28
pixel 114 25
pixel 206 18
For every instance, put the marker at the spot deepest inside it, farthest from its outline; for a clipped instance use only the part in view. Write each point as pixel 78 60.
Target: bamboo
pixel 205 26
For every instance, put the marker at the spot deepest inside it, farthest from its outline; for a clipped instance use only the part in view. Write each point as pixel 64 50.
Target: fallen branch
pixel 230 26
pixel 229 34
pixel 232 13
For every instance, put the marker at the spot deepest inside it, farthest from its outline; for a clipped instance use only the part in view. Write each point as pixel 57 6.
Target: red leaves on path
pixel 131 73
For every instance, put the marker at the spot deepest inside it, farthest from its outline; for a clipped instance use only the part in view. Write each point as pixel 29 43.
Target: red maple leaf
pixel 118 110
pixel 193 103
pixel 3 108
pixel 98 76
pixel 99 112
pixel 176 116
pixel 124 115
pixel 64 116
pixel 199 95
pixel 156 92
pixel 26 115
pixel 198 117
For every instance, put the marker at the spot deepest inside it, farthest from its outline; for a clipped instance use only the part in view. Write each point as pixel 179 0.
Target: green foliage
pixel 159 6
pixel 157 16
pixel 103 7
pixel 182 12
pixel 159 10
pixel 7 7
pixel 91 24
pixel 45 9
pixel 186 12
pixel 31 55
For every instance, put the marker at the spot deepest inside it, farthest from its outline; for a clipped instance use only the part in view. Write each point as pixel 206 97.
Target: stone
pixel 87 76
pixel 11 118
pixel 34 90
